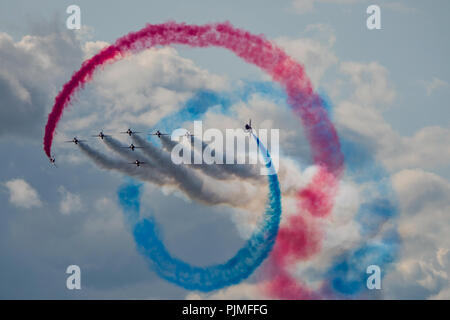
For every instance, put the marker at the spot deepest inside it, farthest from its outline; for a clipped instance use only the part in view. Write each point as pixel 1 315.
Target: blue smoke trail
pixel 256 249
pixel 346 276
pixel 129 200
pixel 195 107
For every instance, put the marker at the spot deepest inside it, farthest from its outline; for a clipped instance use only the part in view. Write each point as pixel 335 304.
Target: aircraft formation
pixel 132 147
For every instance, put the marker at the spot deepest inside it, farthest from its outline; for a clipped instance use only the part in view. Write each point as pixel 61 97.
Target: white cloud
pixel 359 117
pixel 108 218
pixel 21 194
pixel 398 7
pixel 427 148
pixel 307 6
pixel 85 33
pixel 315 52
pixel 137 91
pixel 70 202
pixel 423 270
pixel 372 87
pixel 29 72
pixel 434 84
pixel 93 47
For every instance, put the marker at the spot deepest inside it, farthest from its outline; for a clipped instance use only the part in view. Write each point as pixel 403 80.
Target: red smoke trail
pixel 300 237
pixel 254 49
pixel 283 286
pixel 298 241
pixel 317 197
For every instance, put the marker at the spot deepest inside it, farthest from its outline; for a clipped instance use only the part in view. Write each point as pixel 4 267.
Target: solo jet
pixel 132 147
pixel 130 132
pixel 248 126
pixel 52 160
pixel 137 163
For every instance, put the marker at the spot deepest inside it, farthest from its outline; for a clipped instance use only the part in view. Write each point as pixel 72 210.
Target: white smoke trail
pixel 126 153
pixel 194 185
pixel 214 171
pixel 246 171
pixel 141 173
pixel 218 171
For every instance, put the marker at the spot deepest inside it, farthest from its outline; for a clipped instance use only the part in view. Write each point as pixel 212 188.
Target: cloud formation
pixel 307 6
pixel 360 118
pixel 423 271
pixel 70 202
pixel 22 195
pixel 29 74
pixel 434 84
pixel 313 50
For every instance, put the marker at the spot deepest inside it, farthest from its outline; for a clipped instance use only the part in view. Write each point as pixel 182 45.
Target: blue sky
pixel 389 91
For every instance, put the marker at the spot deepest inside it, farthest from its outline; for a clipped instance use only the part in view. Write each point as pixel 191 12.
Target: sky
pixel 386 92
